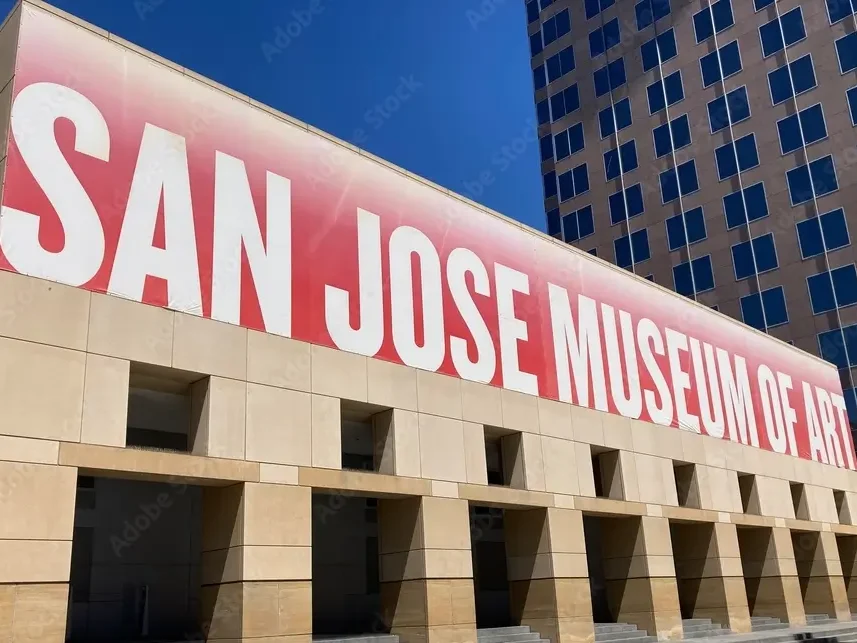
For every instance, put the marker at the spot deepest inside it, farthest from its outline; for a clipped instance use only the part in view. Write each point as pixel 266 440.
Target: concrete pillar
pixel 36 527
pixel 426 570
pixel 847 546
pixel 639 574
pixel 770 574
pixel 820 574
pixel 257 563
pixel 548 579
pixel 709 574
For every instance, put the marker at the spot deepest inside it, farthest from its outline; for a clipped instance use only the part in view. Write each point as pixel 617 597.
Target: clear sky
pixel 442 88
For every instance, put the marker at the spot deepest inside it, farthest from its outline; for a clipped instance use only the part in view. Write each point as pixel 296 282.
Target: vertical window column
pixel 722 74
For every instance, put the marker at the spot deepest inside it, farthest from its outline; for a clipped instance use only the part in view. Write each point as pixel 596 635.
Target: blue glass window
pixel 698 272
pixel 661 48
pixel 756 205
pixel 554 224
pixel 775 312
pixel 818 177
pixel 685 230
pixel 685 180
pixel 804 128
pixel 627 154
pixel 740 155
pixel 564 102
pixel 757 254
pixel 609 77
pixel 720 64
pixel 671 136
pixel 834 344
pixel 556 27
pixel 846 50
pixel 839 9
pixel 828 229
pixel 665 92
pixel 543 111
pixel 713 19
pixel 560 64
pixel 573 182
pixel 841 282
pixel 738 109
pixel 789 26
pixel 539 79
pixel 578 224
pixel 604 38
pixel 594 7
pixel 633 196
pixel 549 180
pixel 639 242
pixel 532 11
pixel 569 141
pixel 780 81
pixel 851 96
pixel 650 11
pixel 536 43
pixel 761 4
pixel 621 111
pixel 546 147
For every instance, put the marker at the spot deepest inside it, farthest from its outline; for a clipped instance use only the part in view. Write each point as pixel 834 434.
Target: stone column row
pixel 257 567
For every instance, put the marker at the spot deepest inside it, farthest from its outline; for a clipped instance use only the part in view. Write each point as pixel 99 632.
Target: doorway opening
pixel 490 571
pixel 346 596
pixel 136 560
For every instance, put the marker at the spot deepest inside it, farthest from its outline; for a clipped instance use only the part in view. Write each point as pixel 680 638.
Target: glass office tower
pixel 710 147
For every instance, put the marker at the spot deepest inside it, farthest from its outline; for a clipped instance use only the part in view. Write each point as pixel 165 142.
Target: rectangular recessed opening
pixel 749 497
pixel 841 507
pixel 799 500
pixel 367 437
pixel 607 474
pixel 160 408
pixel 504 458
pixel 686 484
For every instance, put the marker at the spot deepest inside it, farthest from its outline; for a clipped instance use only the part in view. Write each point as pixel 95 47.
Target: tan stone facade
pixel 266 433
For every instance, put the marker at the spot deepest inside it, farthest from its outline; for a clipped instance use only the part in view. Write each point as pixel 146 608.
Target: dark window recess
pixel 686 485
pixel 358 462
pixel 596 475
pixel 157 440
pixel 747 487
pixel 161 414
pixel 799 500
pixel 364 431
pixel 494 461
pixel 841 507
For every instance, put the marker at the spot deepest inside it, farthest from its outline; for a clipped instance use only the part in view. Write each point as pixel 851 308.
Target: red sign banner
pixel 125 176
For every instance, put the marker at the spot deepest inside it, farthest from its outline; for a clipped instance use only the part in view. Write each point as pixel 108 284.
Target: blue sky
pixel 442 88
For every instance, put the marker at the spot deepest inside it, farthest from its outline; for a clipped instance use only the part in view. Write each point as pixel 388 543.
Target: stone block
pixel 279 425
pixel 278 361
pixel 209 347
